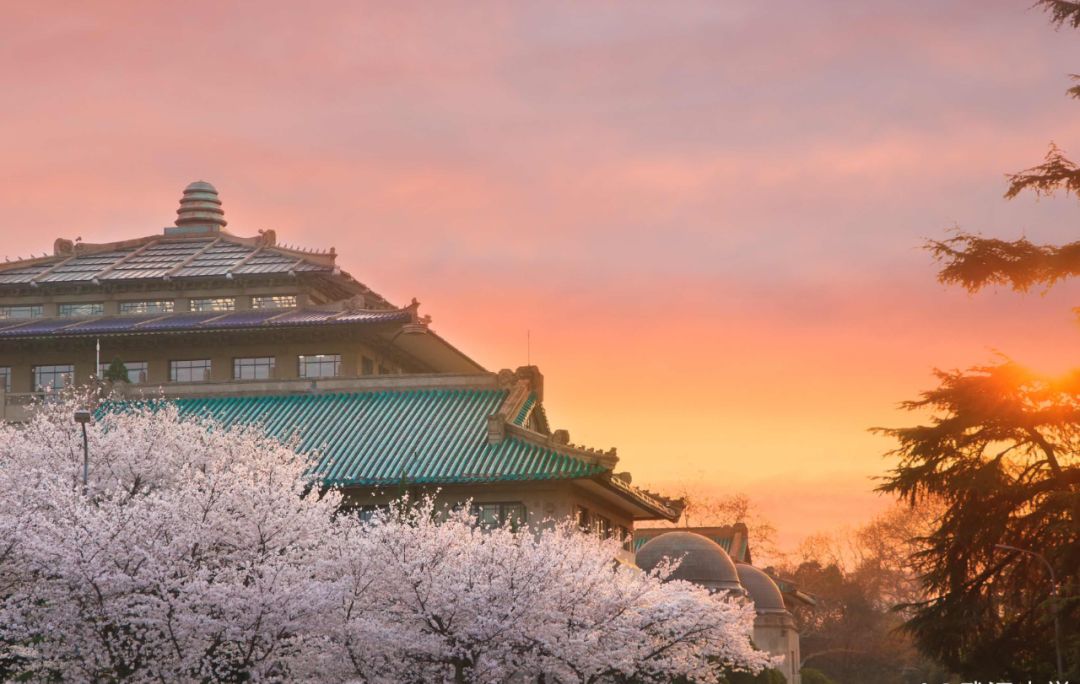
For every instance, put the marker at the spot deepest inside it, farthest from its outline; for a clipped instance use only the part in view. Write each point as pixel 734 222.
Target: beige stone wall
pixel 544 501
pixel 159 351
pixel 158 357
pixel 776 634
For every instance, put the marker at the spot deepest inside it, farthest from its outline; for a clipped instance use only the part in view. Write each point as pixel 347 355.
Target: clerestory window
pixel 79 309
pixel 149 306
pixel 21 311
pixel 214 304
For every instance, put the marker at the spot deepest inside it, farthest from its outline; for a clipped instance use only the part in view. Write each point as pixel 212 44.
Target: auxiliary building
pixel 717 558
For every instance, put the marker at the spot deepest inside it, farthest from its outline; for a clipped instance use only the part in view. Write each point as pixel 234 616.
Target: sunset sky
pixel 709 215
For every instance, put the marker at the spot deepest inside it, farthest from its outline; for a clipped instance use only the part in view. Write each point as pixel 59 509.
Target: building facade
pixel 246 329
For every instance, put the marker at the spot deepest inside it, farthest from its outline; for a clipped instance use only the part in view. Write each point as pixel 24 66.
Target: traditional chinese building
pixel 250 330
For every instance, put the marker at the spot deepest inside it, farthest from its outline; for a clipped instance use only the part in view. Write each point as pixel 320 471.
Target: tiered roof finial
pixel 200 209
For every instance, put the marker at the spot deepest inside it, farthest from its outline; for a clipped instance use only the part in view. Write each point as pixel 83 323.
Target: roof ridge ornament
pixel 418 323
pixel 63 247
pixel 267 238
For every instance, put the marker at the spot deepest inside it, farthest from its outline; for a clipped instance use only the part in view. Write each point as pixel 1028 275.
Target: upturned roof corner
pixel 525 388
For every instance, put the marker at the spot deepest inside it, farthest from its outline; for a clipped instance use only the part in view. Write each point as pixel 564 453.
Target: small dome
pixel 704 561
pixel 200 207
pixel 200 186
pixel 762 589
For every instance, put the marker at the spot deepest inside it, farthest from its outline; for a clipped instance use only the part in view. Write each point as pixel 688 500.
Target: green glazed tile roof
pixel 525 408
pixel 429 436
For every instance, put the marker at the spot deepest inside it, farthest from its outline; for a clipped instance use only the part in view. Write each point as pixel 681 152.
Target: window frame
pixel 303 359
pixel 141 307
pixel 601 526
pixel 503 509
pixel 5 378
pixel 215 308
pixel 584 518
pixel 238 363
pixel 255 299
pixel 367 512
pixel 102 367
pixel 35 311
pixel 98 309
pixel 69 375
pixel 209 367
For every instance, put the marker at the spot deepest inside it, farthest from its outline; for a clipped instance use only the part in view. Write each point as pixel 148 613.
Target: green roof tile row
pixel 430 436
pixel 524 412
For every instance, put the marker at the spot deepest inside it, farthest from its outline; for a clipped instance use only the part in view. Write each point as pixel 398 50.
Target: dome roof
pixel 704 561
pixel 762 589
pixel 200 206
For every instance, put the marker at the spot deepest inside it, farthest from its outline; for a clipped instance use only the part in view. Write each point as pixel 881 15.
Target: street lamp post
pixel 82 417
pixel 1057 602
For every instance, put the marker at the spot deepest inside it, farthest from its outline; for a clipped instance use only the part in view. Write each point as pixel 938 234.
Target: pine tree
pixel 116 372
pixel 1002 452
pixel 975 262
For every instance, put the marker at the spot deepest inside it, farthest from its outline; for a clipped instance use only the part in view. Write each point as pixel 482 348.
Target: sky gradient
pixel 707 214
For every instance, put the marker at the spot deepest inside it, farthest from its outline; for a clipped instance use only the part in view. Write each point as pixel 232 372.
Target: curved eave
pixel 433 350
pixel 654 507
pixel 205 326
pixel 585 472
pixel 601 480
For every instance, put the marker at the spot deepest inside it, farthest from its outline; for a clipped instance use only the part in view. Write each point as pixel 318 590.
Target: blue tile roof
pixel 176 257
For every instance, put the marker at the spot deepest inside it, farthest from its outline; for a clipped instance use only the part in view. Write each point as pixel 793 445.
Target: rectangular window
pixel 55 376
pixel 5 378
pixel 195 370
pixel 498 514
pixel 367 366
pixel 584 520
pixel 253 368
pixel 21 311
pixel 601 526
pixel 320 365
pixel 367 513
pixel 136 371
pixel 273 302
pixel 214 304
pixel 74 310
pixel 150 306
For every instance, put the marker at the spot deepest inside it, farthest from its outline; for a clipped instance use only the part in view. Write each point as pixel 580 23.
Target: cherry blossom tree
pixel 189 555
pixel 459 602
pixel 200 552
